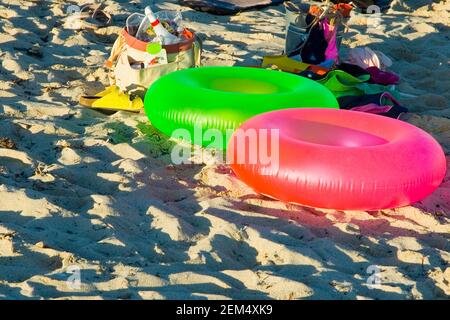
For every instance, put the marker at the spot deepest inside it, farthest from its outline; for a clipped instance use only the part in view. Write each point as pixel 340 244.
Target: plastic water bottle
pixel 158 28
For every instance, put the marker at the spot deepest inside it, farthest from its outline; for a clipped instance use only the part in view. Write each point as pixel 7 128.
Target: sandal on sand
pixel 87 101
pixel 111 100
pixel 90 16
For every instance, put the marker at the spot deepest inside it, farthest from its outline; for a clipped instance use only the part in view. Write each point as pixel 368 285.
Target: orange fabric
pixel 318 69
pixel 344 8
pixel 315 10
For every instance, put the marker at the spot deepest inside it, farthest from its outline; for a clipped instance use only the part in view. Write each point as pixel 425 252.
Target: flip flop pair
pixel 88 16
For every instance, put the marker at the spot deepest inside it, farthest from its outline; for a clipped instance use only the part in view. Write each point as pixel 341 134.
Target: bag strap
pixel 116 50
pixel 198 48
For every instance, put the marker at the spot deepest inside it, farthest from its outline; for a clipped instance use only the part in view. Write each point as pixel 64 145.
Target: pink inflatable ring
pixel 337 159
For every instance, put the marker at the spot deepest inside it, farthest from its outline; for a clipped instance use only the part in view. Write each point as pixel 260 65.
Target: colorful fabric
pixel 382 77
pixel 327 63
pixel 381 103
pixel 344 9
pixel 331 52
pixel 344 84
pixel 372 108
pixel 366 57
pixel 352 69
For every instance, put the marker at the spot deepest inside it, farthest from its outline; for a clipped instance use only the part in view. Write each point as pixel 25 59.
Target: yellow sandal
pixel 112 100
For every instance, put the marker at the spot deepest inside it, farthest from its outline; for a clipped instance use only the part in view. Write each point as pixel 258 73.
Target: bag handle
pixel 117 49
pixel 198 48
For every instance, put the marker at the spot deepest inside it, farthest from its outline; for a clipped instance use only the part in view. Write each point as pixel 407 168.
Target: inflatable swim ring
pixel 340 159
pixel 221 98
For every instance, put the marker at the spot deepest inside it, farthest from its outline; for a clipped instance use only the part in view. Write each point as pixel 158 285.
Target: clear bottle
pixel 166 37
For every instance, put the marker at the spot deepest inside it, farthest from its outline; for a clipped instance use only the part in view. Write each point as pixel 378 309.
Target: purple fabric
pixel 393 111
pixel 331 53
pixel 372 108
pixel 382 77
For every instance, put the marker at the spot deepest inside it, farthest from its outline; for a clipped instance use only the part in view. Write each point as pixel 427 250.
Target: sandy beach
pixel 89 197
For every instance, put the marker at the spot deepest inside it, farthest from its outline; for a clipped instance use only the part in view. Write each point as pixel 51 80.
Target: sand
pixel 90 208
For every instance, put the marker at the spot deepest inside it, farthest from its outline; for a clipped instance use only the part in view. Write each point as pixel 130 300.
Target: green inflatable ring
pixel 221 98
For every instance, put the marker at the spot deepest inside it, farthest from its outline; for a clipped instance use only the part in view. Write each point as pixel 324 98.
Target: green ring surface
pixel 222 98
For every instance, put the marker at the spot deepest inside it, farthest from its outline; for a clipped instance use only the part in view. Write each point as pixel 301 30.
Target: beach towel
pixel 341 84
pixel 382 77
pixel 227 7
pixel 366 57
pixel 383 103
